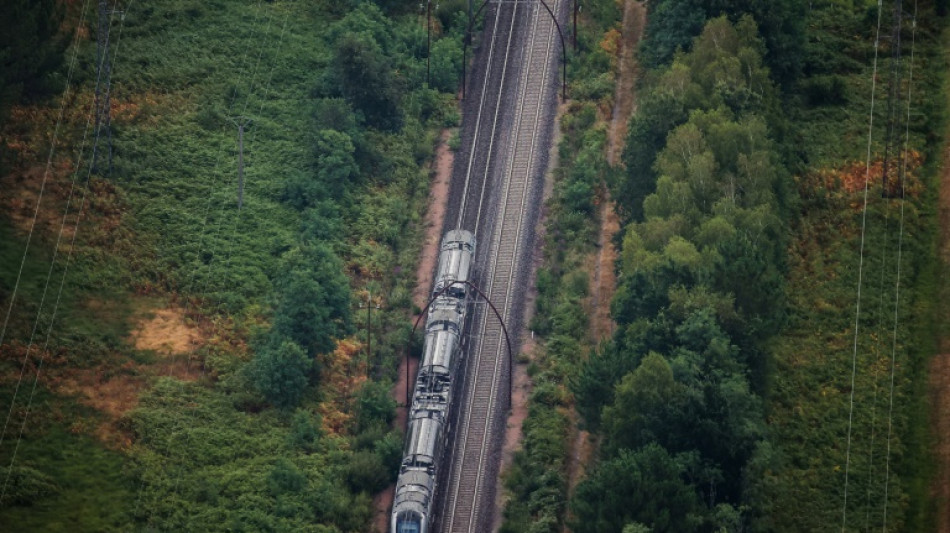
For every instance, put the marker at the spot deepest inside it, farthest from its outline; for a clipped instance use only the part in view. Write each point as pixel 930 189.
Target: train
pixel 432 394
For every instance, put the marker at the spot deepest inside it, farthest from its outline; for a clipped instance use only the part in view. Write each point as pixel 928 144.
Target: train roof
pixel 457 235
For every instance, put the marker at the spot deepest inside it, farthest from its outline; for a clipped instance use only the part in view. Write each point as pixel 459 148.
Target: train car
pixel 432 394
pixel 456 261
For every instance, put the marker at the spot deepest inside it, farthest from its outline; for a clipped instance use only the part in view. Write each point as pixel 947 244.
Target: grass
pixel 164 229
pixel 92 491
pixel 810 395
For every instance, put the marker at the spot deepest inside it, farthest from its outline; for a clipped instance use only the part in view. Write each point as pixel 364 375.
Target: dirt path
pixel 435 214
pixel 604 280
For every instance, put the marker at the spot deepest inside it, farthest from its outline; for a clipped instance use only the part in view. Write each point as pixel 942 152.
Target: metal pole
pixel 240 165
pixel 369 329
pixel 465 41
pixel 575 25
pixel 241 123
pixel 102 61
pixel 465 54
pixel 428 37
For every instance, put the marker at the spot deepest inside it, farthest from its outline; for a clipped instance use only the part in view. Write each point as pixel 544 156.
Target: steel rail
pixel 465 422
pixel 415 326
pixel 478 119
pixel 491 138
pixel 532 93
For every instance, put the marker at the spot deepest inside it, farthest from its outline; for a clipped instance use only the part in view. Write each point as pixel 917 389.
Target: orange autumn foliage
pixel 343 374
pixel 852 177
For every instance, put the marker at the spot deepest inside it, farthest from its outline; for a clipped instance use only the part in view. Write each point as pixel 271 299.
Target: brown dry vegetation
pixel 113 386
pixel 851 177
pixel 343 374
pixel 165 332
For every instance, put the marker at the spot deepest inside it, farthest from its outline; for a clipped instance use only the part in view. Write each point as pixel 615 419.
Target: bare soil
pixel 113 386
pixel 166 332
pixel 428 256
pixel 435 216
pixel 625 98
pixel 603 282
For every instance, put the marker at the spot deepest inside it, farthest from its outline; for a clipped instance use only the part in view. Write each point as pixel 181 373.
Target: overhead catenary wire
pixel 900 164
pixel 42 304
pixel 857 312
pixel 46 172
pixel 897 280
pixel 39 200
pixel 248 76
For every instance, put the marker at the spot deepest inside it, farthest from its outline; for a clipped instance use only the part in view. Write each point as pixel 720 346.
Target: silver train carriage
pixel 456 262
pixel 433 390
pixel 427 420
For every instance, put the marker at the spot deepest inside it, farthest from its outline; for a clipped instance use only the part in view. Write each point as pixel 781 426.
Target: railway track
pixel 512 175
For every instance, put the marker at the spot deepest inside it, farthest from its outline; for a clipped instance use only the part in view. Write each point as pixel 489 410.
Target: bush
pixel 366 472
pixel 26 485
pixel 280 371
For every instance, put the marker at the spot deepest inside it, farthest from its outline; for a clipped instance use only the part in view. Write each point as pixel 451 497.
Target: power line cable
pixel 39 200
pixel 253 139
pixel 897 281
pixel 237 216
pixel 857 312
pixel 251 77
pixel 45 291
pixel 46 172
pixel 212 186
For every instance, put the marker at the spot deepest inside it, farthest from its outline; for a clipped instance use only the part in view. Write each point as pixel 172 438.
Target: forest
pixel 723 400
pixel 277 416
pixel 172 358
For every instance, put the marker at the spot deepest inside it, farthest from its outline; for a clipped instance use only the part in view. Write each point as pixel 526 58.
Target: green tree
pixel 659 112
pixel 314 299
pixel 335 172
pixel 365 472
pixel 445 65
pixel 726 61
pixel 646 486
pixel 363 74
pixel 30 53
pixel 641 400
pixel 279 370
pixel 375 405
pixel 782 24
pixel 593 385
pixel 285 477
pixel 671 26
pixel 636 527
pixel 304 430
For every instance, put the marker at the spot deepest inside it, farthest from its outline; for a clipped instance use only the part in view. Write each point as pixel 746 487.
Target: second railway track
pixel 513 153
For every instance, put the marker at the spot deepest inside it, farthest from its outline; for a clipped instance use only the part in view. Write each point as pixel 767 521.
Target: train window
pixel 407 526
